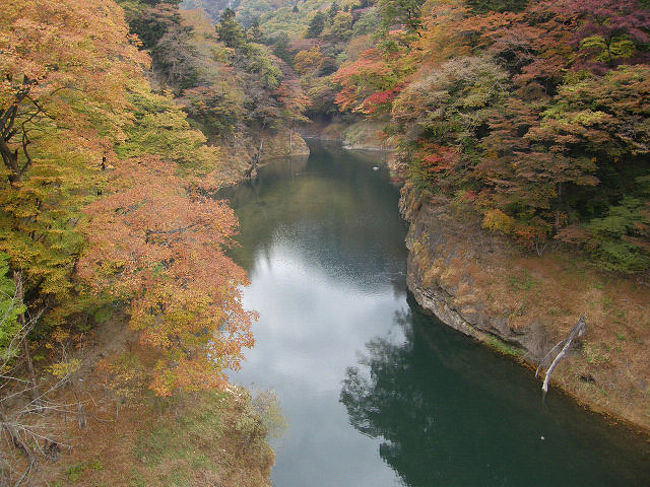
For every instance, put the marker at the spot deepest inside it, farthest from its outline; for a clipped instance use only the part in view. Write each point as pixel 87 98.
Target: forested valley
pixel 121 119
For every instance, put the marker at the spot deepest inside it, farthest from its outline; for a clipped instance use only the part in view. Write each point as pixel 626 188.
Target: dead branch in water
pixel 578 330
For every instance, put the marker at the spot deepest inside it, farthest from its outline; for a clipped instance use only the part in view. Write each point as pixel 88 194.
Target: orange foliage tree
pixel 66 62
pixel 65 67
pixel 308 61
pixel 368 83
pixel 158 241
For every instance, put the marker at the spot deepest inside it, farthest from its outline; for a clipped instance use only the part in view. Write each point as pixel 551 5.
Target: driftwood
pixel 578 330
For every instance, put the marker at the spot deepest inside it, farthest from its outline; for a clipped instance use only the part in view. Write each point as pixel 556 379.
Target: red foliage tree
pixel 371 77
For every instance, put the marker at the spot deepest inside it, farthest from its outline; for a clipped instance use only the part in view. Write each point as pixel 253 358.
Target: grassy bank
pixel 111 430
pixel 193 439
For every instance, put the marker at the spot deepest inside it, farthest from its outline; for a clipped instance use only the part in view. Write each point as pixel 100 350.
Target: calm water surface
pixel 375 393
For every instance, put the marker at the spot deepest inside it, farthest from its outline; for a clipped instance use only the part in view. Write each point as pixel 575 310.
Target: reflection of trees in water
pixel 334 210
pixel 384 400
pixel 450 413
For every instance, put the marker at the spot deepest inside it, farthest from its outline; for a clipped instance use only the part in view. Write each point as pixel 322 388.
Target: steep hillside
pixel 108 221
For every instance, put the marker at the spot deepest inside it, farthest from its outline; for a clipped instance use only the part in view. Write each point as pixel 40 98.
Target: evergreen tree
pixel 316 25
pixel 229 31
pixel 333 10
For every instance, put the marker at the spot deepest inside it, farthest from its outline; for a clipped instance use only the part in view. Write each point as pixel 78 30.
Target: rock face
pixel 482 285
pixel 437 242
pixel 240 154
pixel 362 135
pixel 283 143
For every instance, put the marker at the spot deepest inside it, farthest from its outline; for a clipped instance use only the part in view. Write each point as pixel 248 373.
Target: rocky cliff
pixel 241 152
pixel 481 285
pixel 283 143
pixel 361 135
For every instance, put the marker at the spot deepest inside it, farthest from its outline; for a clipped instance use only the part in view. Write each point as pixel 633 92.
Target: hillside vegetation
pixel 109 217
pixel 534 113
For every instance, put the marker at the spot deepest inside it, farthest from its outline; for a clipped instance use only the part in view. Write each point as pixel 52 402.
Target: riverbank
pixel 522 305
pixel 110 429
pixel 241 154
pixel 361 135
pixel 194 439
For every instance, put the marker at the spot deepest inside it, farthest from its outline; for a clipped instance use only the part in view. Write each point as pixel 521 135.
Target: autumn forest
pixel 120 121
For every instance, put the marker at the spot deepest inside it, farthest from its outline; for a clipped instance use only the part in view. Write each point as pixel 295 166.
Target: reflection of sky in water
pixel 312 327
pixel 325 254
pixel 339 215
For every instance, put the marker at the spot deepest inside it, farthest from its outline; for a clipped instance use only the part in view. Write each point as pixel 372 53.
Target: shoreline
pixel 473 282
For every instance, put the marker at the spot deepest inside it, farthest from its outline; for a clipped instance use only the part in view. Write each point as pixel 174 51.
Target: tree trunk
pixel 257 157
pixel 559 206
pixel 17 441
pixel 10 159
pixel 252 171
pixel 578 330
pixel 18 282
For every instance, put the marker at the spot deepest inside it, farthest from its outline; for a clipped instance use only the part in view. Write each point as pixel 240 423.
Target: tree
pixel 280 45
pixel 150 20
pixel 440 118
pixel 483 6
pixel 406 12
pixel 175 59
pixel 611 31
pixel 256 59
pixel 308 61
pixel 340 28
pixel 255 34
pixel 62 100
pixel 620 240
pixel 372 74
pixel 229 31
pixel 156 241
pixel 588 141
pixel 161 128
pixel 292 100
pixel 333 11
pixel 218 107
pixel 316 24
pixel 10 310
pixel 46 76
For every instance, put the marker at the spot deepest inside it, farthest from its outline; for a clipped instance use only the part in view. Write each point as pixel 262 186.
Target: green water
pixel 376 393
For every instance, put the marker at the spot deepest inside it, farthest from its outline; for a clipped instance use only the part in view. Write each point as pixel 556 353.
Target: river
pixel 374 392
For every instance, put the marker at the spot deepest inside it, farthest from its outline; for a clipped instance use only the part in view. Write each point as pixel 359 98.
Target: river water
pixel 374 392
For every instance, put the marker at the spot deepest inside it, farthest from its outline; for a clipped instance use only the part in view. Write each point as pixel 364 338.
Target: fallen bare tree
pixel 29 429
pixel 578 330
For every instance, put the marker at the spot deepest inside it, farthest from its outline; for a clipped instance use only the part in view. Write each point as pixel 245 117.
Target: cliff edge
pixel 522 305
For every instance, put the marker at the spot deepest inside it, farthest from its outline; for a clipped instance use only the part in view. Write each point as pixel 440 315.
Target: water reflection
pixel 324 249
pixel 311 328
pixel 450 413
pixel 376 394
pixel 334 209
